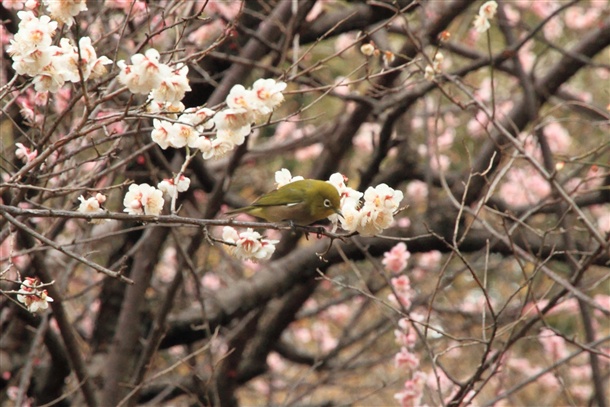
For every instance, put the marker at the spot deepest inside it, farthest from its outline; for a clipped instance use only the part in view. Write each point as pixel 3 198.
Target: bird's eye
pixel 327 203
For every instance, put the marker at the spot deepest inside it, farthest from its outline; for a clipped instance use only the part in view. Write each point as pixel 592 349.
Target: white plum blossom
pixel 486 12
pixel 241 98
pixel 367 49
pixel 231 125
pixel 32 296
pixel 145 72
pixel 375 214
pixel 65 10
pixel 268 95
pixel 249 245
pixel 283 177
pixel 181 135
pixel 91 66
pixel 199 118
pixel 162 107
pixel 350 198
pixel 233 118
pixel 50 65
pixel 212 148
pixel 143 199
pixel 435 68
pixel 50 79
pixel 218 149
pixel 170 188
pixel 489 9
pixel 233 136
pixel 30 47
pixel 161 133
pixel 93 205
pixel 347 194
pixel 172 88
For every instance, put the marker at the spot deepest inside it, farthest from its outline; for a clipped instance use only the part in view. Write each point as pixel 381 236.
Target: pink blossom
pixel 344 42
pixel 558 137
pixel 417 191
pixel 211 281
pixel 396 259
pixel 407 359
pixel 581 18
pixel 309 152
pixel 412 390
pixel 13 4
pixel 553 344
pixel 285 130
pixel 322 335
pixel 228 9
pixel 207 33
pixel 339 313
pixel 524 186
pixel 429 260
pixel 400 299
pixel 367 136
pixel 24 153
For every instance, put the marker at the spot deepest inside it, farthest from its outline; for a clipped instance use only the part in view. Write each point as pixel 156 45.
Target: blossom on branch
pixel 486 13
pixel 143 199
pixel 249 245
pixel 396 259
pixel 30 47
pixel 173 87
pixel 145 72
pixel 32 296
pixel 170 188
pixel 284 177
pixel 65 10
pixel 24 153
pixel 93 205
pixel 376 213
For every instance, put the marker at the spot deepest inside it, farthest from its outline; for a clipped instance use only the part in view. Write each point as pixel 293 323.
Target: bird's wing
pixel 290 196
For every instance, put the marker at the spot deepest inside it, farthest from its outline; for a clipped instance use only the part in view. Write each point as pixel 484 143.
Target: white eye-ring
pixel 327 203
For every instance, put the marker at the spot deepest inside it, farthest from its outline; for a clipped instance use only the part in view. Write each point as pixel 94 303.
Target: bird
pixel 301 202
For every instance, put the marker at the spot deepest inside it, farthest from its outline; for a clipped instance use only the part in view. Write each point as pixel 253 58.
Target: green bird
pixel 300 202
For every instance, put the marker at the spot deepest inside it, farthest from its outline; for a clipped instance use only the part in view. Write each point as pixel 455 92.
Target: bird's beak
pixel 338 212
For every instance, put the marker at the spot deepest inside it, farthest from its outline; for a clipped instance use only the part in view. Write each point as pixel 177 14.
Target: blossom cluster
pixel 32 296
pixel 413 388
pixel 147 75
pixel 403 293
pixel 376 214
pixel 245 106
pixel 372 216
pixel 486 12
pixel 52 66
pixel 64 11
pixel 368 218
pixel 231 125
pixel 248 245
